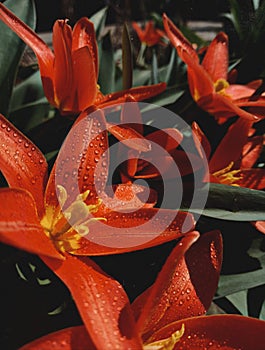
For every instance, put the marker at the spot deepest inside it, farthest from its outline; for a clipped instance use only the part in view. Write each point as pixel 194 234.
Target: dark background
pixel 49 10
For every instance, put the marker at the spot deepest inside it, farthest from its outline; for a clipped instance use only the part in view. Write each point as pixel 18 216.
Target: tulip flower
pixel 161 159
pixel 70 72
pixel 232 162
pixel 167 313
pixel 150 35
pixel 57 218
pixel 209 80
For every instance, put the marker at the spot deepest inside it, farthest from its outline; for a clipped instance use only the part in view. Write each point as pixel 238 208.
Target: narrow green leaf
pixel 127 64
pixel 11 49
pixel 154 70
pixel 233 203
pixel 106 79
pixel 99 19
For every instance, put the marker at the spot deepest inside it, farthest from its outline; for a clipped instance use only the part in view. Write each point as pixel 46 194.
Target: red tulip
pixel 60 223
pixel 209 80
pixel 149 35
pixel 70 72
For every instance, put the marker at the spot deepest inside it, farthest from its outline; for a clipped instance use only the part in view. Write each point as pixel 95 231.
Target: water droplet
pixel 26 144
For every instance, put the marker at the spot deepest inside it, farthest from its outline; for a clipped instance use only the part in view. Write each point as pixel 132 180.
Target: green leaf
pixel 232 203
pixel 11 49
pixel 127 64
pixel 154 68
pixel 99 19
pixel 106 79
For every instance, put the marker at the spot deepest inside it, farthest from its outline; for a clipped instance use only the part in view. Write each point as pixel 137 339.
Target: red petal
pixel 251 151
pixel 22 163
pixel 223 107
pixel 20 225
pixel 201 142
pixel 217 332
pixel 178 40
pixel 260 226
pixel 85 78
pixel 63 65
pixel 216 59
pixel 228 150
pixel 139 93
pixel 82 163
pixel 73 338
pixel 129 137
pixel 84 35
pixel 134 230
pixel 252 178
pixel 237 91
pixel 186 284
pixel 169 139
pixel 200 82
pixel 131 114
pixel 101 301
pixel 138 30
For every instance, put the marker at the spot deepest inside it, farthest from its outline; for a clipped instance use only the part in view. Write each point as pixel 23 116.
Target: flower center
pixel 66 226
pixel 227 176
pixel 167 343
pixel 220 86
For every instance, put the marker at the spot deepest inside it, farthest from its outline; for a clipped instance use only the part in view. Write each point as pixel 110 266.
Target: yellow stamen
pixel 66 226
pixel 167 343
pixel 220 86
pixel 227 176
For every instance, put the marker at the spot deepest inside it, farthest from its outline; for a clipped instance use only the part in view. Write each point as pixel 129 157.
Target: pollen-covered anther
pixel 66 226
pixel 227 176
pixel 220 86
pixel 167 343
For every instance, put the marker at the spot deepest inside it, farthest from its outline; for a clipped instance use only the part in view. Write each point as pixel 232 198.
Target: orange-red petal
pixel 22 163
pixel 216 59
pixel 101 301
pixel 72 338
pixel 134 230
pixel 84 35
pixel 228 150
pixel 226 332
pixel 186 284
pixel 20 224
pixel 178 40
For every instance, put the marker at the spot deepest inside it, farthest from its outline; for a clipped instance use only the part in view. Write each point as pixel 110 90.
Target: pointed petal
pixel 63 65
pixel 72 338
pixel 223 107
pixel 138 30
pixel 42 51
pixel 236 91
pixel 216 59
pixel 84 35
pixel 178 40
pixel 217 332
pixel 228 150
pixel 22 163
pixel 101 301
pixel 260 226
pixel 85 79
pixel 252 178
pixel 139 93
pixel 82 163
pixel 129 137
pixel 186 284
pixel 130 113
pixel 200 82
pixel 134 230
pixel 20 224
pixel 251 151
pixel 201 142
pixel 168 139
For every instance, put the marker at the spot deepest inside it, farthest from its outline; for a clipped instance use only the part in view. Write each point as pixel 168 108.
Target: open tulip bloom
pixel 209 80
pixel 150 35
pixel 170 314
pixel 57 217
pixel 69 73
